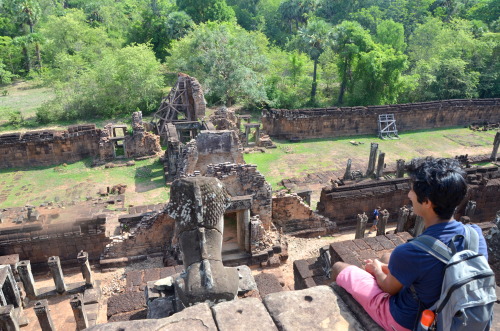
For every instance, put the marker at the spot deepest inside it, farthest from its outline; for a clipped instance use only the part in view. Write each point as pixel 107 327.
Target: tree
pixel 377 77
pixel 454 82
pixel 287 85
pixel 296 12
pixel 315 38
pixel 228 61
pixel 119 83
pixel 72 45
pixel 5 75
pixel 207 10
pixel 24 12
pixel 451 61
pixel 392 34
pixel 349 41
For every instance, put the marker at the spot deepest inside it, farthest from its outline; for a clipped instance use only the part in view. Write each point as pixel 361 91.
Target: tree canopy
pixel 108 57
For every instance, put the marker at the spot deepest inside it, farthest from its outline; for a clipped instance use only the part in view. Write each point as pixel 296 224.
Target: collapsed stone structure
pixel 38 241
pixel 204 294
pixel 351 121
pixel 294 217
pixel 185 99
pixel 51 147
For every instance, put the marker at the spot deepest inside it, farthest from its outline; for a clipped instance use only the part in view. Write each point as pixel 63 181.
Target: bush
pixel 122 82
pixel 15 118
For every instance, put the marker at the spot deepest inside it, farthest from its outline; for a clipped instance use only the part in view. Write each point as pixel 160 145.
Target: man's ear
pixel 428 204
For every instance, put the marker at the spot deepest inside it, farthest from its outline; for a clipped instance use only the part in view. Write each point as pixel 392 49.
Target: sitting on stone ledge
pixel 396 289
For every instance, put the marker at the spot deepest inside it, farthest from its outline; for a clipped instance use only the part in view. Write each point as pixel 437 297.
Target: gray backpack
pixel 468 290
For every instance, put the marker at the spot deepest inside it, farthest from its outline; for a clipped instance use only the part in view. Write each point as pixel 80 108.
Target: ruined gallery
pixel 223 232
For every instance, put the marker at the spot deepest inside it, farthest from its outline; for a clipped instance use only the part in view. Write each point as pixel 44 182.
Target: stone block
pixel 246 280
pixel 356 309
pixel 302 268
pixel 134 278
pixel 267 283
pixel 248 313
pixel 167 271
pixel 126 302
pixel 92 295
pixel 195 318
pixel 314 308
pixel 161 307
pixel 151 275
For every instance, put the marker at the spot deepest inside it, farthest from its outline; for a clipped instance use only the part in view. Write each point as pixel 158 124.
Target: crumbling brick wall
pixel 217 147
pixel 210 147
pixel 153 233
pixel 484 189
pixel 294 217
pixel 63 240
pixel 49 147
pixel 141 143
pixel 342 204
pixel 244 179
pixel 348 121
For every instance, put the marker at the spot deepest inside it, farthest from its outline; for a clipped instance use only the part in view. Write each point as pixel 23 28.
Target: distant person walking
pixel 376 214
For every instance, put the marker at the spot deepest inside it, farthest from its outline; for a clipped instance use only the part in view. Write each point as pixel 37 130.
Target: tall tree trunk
pixel 38 57
pixel 314 82
pixel 27 60
pixel 343 84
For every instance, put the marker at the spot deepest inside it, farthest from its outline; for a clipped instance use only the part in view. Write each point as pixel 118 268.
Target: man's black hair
pixel 441 181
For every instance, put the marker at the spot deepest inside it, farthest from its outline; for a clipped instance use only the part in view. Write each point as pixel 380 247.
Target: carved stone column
pixel 372 160
pixel 382 222
pixel 361 226
pixel 403 215
pixel 79 312
pixel 24 269
pixel 56 271
pixel 400 168
pixel 42 312
pixel 347 174
pixel 419 226
pixel 380 165
pixel 496 143
pixel 83 259
pixel 8 319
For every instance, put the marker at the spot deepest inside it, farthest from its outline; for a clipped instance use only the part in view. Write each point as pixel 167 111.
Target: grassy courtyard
pixel 331 154
pixel 77 181
pixel 145 182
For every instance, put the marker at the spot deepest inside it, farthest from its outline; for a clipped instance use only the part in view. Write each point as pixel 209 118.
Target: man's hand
pixel 372 265
pixel 385 280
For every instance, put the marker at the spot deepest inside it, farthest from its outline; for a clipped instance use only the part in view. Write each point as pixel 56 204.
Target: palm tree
pixel 315 37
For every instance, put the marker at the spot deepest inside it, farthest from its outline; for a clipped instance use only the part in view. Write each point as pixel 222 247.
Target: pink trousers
pixel 364 288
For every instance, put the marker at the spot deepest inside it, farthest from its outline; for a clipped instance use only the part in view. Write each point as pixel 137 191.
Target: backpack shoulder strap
pixel 433 246
pixel 471 239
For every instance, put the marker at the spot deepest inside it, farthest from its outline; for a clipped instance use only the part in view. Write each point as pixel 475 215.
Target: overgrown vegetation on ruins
pixel 107 58
pixel 145 182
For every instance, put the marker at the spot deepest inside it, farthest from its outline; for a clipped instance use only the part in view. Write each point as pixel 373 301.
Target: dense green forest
pixel 111 57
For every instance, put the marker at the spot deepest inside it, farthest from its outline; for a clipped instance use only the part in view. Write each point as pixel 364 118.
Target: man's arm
pixel 387 282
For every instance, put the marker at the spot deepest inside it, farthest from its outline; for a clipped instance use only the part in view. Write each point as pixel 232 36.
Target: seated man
pixel 384 290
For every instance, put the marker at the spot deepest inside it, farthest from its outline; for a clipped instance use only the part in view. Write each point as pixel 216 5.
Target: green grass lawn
pixel 76 181
pixel 26 97
pixel 331 154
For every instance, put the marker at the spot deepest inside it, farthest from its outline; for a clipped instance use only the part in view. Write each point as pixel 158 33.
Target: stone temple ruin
pixel 222 221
